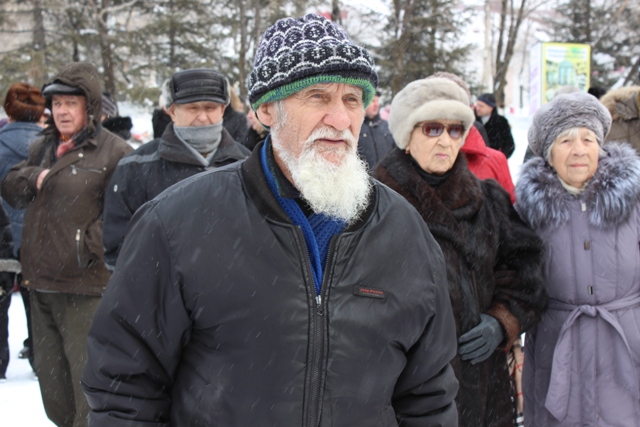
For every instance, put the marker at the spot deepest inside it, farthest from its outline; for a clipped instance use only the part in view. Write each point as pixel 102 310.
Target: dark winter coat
pixel 499 134
pixel 15 138
pixel 581 361
pixel 147 172
pixel 235 123
pixel 213 308
pixel 62 236
pixel 375 140
pixel 494 266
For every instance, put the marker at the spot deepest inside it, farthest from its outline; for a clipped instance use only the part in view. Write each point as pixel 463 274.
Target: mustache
pixel 330 133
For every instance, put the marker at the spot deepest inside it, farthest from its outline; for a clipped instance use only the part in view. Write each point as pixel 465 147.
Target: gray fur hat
pixel 428 99
pixel 564 112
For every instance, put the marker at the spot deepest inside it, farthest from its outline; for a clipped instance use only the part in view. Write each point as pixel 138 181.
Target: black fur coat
pixel 494 266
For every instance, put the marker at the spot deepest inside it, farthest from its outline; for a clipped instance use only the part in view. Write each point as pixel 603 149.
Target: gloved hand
pixel 477 344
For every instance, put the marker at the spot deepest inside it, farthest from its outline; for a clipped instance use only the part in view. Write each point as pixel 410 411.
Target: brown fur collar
pixel 457 199
pixel 617 98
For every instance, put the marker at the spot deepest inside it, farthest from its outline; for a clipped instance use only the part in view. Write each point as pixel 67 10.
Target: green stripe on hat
pixel 282 92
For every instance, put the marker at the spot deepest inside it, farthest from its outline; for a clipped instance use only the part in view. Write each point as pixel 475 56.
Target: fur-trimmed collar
pixel 610 196
pixel 458 198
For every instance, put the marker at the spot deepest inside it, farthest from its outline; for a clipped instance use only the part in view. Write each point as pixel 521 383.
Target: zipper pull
pixel 319 300
pixel 584 206
pixel 78 235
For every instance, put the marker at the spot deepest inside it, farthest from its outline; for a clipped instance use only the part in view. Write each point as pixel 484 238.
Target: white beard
pixel 340 191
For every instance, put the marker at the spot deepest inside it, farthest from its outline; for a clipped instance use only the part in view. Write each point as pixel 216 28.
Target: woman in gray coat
pixel 582 361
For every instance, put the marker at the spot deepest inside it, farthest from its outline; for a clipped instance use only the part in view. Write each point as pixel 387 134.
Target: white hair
pixel 341 190
pixel 166 99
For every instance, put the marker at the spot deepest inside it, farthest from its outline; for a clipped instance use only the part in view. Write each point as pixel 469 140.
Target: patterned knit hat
pixel 295 53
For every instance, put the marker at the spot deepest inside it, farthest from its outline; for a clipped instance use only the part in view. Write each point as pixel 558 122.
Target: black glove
pixel 6 283
pixel 478 343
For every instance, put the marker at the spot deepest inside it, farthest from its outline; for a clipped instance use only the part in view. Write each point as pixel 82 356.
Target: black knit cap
pixel 489 99
pixel 199 84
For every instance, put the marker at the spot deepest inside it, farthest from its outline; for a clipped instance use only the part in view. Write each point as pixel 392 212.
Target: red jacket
pixel 486 162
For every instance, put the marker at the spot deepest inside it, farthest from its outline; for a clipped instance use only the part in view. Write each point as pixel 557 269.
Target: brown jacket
pixel 624 105
pixel 62 238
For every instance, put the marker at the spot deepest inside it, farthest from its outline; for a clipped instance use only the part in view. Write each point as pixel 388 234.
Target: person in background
pixel 484 162
pixel 25 106
pixel 582 197
pixel 597 91
pixel 160 119
pixel 259 294
pixel 497 127
pixel 111 120
pixel 375 138
pixel 8 268
pixel 44 119
pixel 62 185
pixel 257 133
pixel 494 262
pixel 195 141
pixel 624 105
pixel 235 121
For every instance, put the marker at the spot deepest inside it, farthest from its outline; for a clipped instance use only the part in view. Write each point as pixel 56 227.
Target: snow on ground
pixel 20 401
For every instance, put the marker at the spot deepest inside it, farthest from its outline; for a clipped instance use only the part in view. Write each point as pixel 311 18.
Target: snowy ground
pixel 20 401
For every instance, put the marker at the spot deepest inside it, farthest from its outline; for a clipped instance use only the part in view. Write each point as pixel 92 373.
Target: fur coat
pixel 624 106
pixel 582 367
pixel 494 266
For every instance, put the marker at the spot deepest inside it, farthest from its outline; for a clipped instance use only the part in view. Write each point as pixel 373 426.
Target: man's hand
pixel 480 342
pixel 41 178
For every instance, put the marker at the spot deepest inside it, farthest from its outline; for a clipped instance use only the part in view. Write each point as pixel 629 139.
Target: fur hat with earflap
pixel 428 99
pixel 24 103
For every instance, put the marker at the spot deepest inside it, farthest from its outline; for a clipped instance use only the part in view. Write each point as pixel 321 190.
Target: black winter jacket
pixel 494 266
pixel 211 316
pixel 147 172
pixel 499 133
pixel 375 140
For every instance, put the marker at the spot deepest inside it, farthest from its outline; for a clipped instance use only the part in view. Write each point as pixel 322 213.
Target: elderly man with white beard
pixel 289 289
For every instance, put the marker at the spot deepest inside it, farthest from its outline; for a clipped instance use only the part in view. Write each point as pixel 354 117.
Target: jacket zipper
pixel 75 169
pixel 317 333
pixel 78 246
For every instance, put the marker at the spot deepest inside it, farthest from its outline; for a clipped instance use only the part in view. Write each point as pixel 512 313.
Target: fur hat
pixel 295 53
pixel 428 99
pixel 24 103
pixel 564 112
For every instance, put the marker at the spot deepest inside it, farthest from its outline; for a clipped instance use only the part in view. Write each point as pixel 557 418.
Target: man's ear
pixel 266 114
pixel 170 111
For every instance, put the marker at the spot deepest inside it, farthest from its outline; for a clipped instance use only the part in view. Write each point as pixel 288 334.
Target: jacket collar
pixel 259 191
pixel 610 196
pixel 171 148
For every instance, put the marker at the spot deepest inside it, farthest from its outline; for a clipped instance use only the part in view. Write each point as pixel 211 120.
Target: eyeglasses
pixel 436 129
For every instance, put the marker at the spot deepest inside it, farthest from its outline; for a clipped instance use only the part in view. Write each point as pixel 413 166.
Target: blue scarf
pixel 317 229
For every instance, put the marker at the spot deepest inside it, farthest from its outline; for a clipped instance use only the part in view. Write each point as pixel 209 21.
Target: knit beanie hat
pixel 564 112
pixel 109 106
pixel 24 103
pixel 428 99
pixel 489 99
pixel 295 53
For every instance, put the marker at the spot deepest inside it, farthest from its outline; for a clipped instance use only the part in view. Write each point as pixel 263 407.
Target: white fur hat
pixel 428 99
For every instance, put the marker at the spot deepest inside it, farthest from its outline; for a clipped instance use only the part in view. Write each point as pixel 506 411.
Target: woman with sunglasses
pixel 494 262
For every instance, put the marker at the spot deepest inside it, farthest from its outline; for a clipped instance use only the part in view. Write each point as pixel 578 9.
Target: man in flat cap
pixel 196 141
pixel 497 126
pixel 289 289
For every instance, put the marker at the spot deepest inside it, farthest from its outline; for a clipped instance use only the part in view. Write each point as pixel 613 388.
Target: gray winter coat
pixel 582 361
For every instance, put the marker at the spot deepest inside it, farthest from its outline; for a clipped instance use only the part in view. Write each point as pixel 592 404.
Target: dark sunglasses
pixel 436 129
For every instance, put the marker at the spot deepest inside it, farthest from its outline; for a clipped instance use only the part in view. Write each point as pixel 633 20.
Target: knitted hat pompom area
pixel 295 53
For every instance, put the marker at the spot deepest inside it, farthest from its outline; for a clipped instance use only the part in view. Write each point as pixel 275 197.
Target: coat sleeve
pixel 520 297
pixel 124 195
pixel 508 144
pixel 425 391
pixel 139 330
pixel 19 186
pixel 6 253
